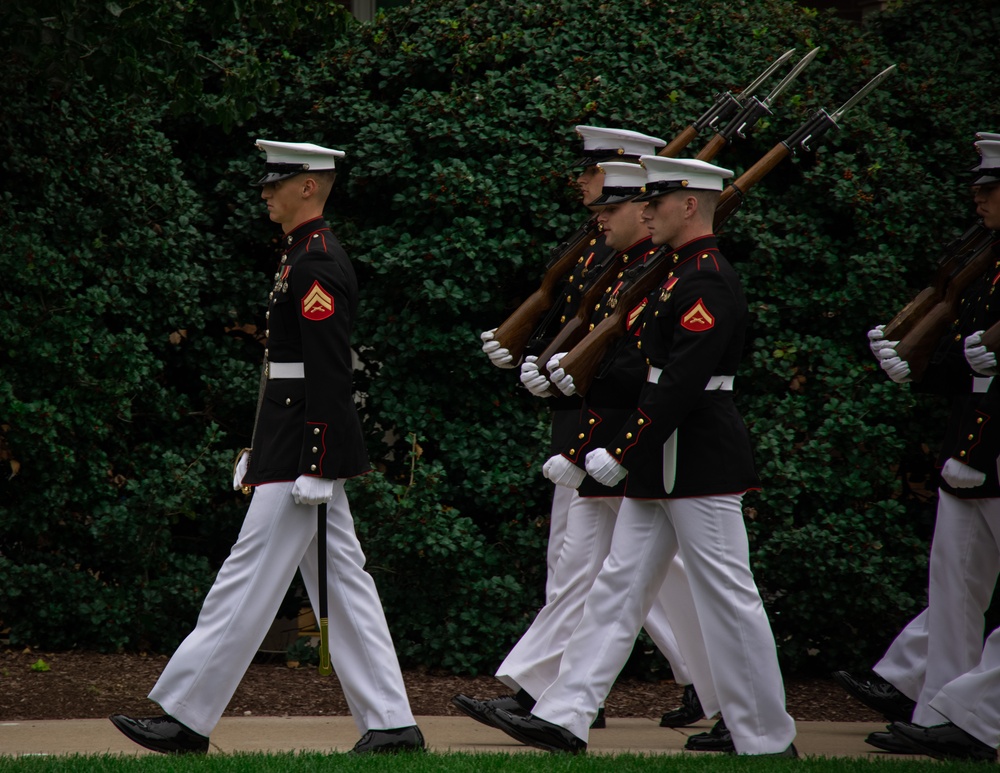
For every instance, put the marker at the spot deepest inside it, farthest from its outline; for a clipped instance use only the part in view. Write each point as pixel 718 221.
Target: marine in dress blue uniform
pixel 533 664
pixel 579 529
pixel 945 641
pixel 693 335
pixel 964 714
pixel 307 440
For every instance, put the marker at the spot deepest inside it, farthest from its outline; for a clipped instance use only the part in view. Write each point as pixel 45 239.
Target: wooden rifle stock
pixel 956 253
pixel 712 148
pixel 678 143
pixel 514 333
pixel 584 360
pixel 732 197
pixel 569 335
pixel 919 344
pixel 903 323
pixel 577 328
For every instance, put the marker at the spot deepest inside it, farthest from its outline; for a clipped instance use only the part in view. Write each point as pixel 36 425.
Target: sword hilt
pixel 325 669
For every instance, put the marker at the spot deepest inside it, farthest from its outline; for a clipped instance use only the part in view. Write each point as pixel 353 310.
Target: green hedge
pixel 135 260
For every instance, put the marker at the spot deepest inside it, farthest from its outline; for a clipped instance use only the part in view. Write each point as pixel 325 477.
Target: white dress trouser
pixel 972 701
pixel 736 632
pixel 277 536
pixel 964 563
pixel 533 663
pixel 904 664
pixel 672 624
pixel 562 498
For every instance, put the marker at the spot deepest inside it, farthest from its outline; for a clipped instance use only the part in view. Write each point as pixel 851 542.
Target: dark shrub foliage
pixel 134 260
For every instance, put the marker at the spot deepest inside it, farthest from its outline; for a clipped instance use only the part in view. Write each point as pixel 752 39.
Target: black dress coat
pixel 968 433
pixel 614 393
pixel 693 328
pixel 310 425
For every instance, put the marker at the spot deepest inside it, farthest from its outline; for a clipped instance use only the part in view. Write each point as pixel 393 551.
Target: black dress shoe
pixel 482 711
pixel 687 713
pixel 599 722
pixel 878 694
pixel 718 739
pixel 162 734
pixel 944 742
pixel 889 742
pixel 400 739
pixel 537 732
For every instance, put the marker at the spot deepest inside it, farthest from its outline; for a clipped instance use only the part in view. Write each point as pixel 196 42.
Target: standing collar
pixel 638 249
pixel 643 245
pixel 302 230
pixel 701 244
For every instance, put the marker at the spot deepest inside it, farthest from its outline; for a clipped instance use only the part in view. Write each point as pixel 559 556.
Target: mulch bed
pixel 81 685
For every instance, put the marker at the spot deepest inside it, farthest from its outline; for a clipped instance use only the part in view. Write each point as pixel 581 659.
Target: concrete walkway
pixel 443 734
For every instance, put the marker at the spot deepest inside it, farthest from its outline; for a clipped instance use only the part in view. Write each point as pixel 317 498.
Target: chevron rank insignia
pixel 698 318
pixel 317 303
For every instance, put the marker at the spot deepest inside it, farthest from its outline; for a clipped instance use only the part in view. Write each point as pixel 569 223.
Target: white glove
pixel 896 368
pixel 604 468
pixel 537 384
pixel 309 490
pixel 876 341
pixel 562 380
pixel 563 472
pixel 959 475
pixel 240 468
pixel 498 355
pixel 980 359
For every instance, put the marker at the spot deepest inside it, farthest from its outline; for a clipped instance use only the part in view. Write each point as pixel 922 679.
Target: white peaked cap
pixel 602 144
pixel 988 168
pixel 285 159
pixel 664 175
pixel 622 182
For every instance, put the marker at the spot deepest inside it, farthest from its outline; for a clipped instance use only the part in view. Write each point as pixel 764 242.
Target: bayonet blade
pixel 764 75
pixel 862 92
pixel 792 75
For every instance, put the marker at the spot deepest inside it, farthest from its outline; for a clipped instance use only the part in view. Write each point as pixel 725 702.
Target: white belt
pixel 715 383
pixel 286 370
pixel 980 384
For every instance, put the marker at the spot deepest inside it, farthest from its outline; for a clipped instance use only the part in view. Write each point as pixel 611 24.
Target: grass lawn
pixel 466 763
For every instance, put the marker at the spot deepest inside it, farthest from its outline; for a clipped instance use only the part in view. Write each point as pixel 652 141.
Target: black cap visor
pixel 662 188
pixel 986 176
pixel 599 156
pixel 275 172
pixel 614 196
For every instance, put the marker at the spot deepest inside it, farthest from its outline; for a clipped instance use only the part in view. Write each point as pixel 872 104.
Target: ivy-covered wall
pixel 134 260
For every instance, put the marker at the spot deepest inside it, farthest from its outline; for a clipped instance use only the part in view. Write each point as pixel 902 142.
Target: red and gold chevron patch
pixel 317 303
pixel 698 318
